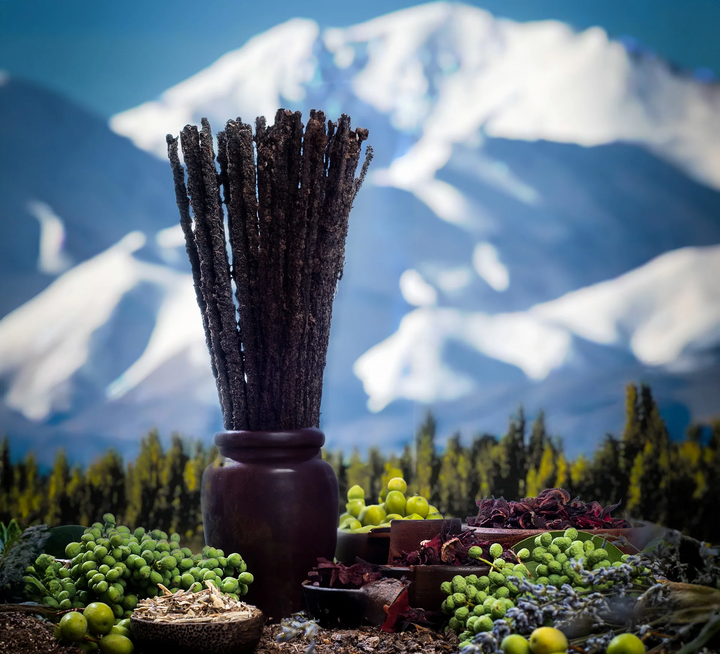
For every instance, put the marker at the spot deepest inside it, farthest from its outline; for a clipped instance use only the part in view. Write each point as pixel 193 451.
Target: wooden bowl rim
pixel 307 584
pixel 184 623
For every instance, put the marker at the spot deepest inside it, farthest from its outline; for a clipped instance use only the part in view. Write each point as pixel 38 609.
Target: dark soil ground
pixel 23 633
pixel 365 640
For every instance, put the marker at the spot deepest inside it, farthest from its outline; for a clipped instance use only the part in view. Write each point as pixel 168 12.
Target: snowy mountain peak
pixel 446 72
pixel 248 82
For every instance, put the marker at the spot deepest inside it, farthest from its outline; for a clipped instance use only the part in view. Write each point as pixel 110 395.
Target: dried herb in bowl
pixel 209 605
pixel 551 509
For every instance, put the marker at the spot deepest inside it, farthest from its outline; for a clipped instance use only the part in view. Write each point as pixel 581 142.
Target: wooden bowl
pixel 184 637
pixel 371 547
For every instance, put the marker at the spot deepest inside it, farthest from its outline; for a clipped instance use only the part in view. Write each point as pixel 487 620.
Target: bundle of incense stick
pixel 265 221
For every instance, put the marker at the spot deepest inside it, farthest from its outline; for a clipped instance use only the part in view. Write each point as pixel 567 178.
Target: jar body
pixel 271 498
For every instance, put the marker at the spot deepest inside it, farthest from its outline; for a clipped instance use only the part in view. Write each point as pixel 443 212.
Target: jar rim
pixel 290 438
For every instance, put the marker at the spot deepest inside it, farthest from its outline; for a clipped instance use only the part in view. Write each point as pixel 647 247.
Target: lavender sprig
pixel 298 625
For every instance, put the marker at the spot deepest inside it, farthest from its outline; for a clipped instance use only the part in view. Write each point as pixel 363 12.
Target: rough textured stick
pixel 294 258
pixel 183 204
pixel 268 300
pixel 313 184
pixel 287 133
pixel 189 139
pixel 254 342
pixel 239 245
pixel 366 164
pixel 229 336
pixel 222 176
pixel 287 226
pixel 343 153
pixel 325 280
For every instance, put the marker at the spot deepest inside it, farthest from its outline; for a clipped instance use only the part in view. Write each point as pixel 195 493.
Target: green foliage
pixel 674 483
pixel 17 557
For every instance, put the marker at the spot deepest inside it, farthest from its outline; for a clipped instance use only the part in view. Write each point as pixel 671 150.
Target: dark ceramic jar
pixel 272 498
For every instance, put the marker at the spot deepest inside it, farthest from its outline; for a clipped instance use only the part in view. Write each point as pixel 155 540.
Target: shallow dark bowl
pixel 637 537
pixel 335 608
pixel 181 637
pixel 372 547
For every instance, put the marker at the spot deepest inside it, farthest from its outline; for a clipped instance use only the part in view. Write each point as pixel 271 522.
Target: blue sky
pixel 110 56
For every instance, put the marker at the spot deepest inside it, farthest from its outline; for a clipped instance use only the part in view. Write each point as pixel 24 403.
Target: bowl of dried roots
pixel 207 621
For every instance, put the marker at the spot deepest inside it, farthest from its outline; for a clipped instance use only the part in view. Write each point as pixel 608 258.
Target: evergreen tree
pixel 191 516
pixel 147 482
pixel 7 480
pixel 487 456
pixel 425 458
pixel 358 473
pixel 514 461
pixel 57 500
pixel 174 494
pixel 29 504
pixel 105 480
pixel 78 499
pixel 454 480
pixel 633 440
pixel 562 469
pixel 407 465
pixel 581 478
pixel 608 477
pixel 376 465
pixel 546 474
pixel 538 440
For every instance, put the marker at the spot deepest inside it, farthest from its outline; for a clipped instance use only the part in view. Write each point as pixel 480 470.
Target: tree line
pixel 675 483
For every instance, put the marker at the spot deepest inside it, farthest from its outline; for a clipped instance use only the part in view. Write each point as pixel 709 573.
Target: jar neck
pixel 295 444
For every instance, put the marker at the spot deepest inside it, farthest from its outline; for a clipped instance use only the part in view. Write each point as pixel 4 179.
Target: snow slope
pixel 541 225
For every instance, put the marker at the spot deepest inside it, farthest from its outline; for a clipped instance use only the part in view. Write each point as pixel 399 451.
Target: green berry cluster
pixel 113 565
pixel 555 556
pixel 474 603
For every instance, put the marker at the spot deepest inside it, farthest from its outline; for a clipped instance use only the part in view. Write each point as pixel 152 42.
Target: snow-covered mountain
pixel 541 226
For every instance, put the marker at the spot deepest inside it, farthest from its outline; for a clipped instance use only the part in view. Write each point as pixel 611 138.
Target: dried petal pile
pixel 450 549
pixel 338 575
pixel 209 605
pixel 551 509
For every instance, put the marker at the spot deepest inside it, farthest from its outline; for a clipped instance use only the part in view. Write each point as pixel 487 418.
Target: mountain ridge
pixel 459 233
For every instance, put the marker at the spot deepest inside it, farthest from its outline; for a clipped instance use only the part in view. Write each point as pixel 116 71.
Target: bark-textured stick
pixel 229 336
pixel 279 183
pixel 313 185
pixel 183 204
pixel 268 299
pixel 254 341
pixel 285 186
pixel 239 246
pixel 343 153
pixel 294 257
pixel 190 141
pixel 326 243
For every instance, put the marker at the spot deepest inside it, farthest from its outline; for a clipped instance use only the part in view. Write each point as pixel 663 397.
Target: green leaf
pixel 614 554
pixel 653 544
pixel 61 537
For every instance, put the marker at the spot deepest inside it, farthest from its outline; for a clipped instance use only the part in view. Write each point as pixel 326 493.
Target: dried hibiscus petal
pixel 551 509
